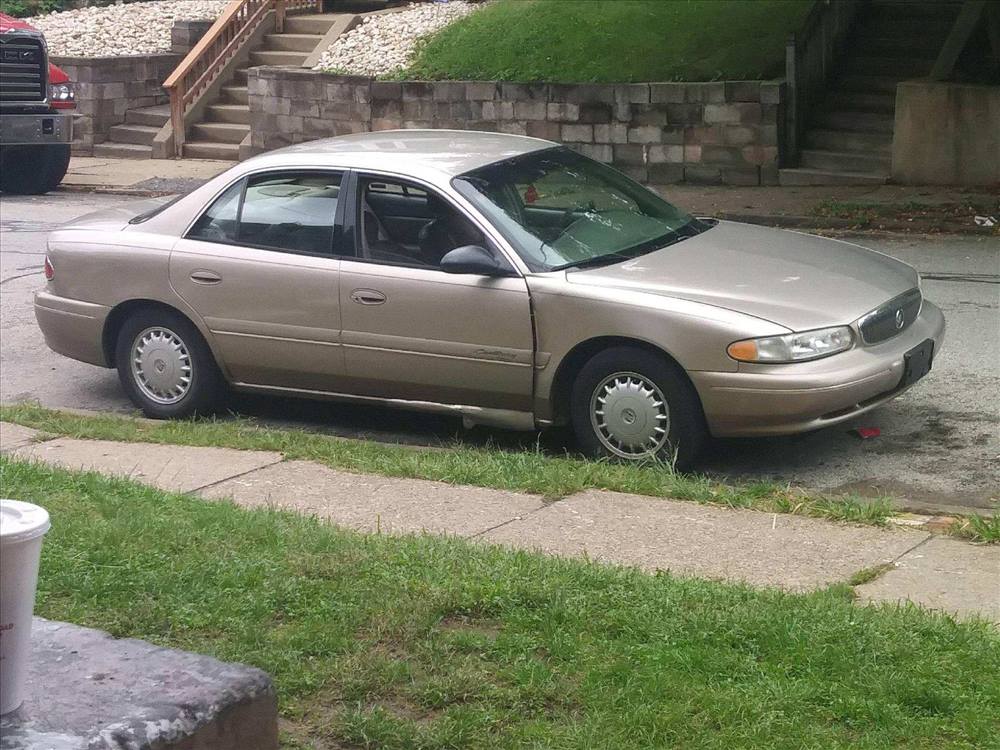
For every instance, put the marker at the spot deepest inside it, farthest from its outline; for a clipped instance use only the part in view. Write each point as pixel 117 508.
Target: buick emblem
pixel 899 319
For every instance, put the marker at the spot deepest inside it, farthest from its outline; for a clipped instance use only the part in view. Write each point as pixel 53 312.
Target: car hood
pixel 113 219
pixel 795 280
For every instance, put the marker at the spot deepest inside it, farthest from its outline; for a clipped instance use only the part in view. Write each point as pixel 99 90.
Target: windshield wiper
pixel 597 260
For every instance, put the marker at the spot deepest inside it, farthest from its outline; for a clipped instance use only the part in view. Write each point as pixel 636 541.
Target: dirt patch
pixel 465 624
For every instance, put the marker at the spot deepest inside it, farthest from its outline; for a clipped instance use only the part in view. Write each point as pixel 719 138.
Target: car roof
pixel 445 153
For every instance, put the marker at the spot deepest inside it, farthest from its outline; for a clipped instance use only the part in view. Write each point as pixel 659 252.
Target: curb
pixel 820 222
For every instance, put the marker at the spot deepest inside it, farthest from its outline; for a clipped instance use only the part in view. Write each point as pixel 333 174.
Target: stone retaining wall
pixel 658 133
pixel 106 87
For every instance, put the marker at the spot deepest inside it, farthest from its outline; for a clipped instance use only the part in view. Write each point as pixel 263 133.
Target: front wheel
pixel 634 405
pixel 33 170
pixel 165 366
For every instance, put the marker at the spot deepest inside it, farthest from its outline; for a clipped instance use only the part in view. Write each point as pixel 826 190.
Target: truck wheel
pixel 633 405
pixel 33 170
pixel 165 366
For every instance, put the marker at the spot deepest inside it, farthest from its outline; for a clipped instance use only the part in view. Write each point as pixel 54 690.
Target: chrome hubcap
pixel 161 365
pixel 630 416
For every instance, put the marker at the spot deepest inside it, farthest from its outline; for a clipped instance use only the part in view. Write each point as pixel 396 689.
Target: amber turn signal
pixel 744 351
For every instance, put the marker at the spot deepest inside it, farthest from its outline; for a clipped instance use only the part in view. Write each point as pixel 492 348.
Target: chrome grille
pixel 892 318
pixel 23 69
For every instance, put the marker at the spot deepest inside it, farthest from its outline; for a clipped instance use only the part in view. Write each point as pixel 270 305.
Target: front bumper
pixel 790 398
pixel 35 130
pixel 72 328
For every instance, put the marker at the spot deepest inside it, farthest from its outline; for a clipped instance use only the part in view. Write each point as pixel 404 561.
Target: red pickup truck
pixel 36 126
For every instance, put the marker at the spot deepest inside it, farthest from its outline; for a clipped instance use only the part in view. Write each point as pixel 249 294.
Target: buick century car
pixel 507 280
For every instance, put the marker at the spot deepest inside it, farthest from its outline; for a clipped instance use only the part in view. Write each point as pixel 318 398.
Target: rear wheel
pixel 631 404
pixel 32 170
pixel 165 366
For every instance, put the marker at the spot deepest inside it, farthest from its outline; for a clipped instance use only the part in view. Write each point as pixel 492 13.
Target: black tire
pixel 686 435
pixel 206 386
pixel 33 170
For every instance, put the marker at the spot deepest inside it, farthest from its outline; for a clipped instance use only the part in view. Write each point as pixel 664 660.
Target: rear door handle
pixel 202 276
pixel 368 297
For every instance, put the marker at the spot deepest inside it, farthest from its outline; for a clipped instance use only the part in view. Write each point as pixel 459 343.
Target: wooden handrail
pixel 202 65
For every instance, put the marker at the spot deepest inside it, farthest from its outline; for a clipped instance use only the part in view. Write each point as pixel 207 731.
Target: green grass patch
pixel 954 216
pixel 526 471
pixel 613 40
pixel 427 642
pixel 984 529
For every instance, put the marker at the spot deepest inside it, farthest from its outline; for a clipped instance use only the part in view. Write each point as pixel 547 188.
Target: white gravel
pixel 385 43
pixel 114 30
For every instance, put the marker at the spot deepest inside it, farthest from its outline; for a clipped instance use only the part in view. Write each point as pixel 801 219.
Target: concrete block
pixel 742 91
pixel 632 93
pixel 613 133
pixel 577 133
pixel 722 113
pixel 448 91
pixel 600 152
pixel 636 172
pixel 417 91
pixel 524 92
pixel 595 113
pixel 692 154
pixel 548 131
pixel 760 154
pixel 644 134
pixel 762 549
pixel 769 173
pixel 744 176
pixel 512 127
pixel 648 114
pixel 705 134
pixel 482 91
pixel 563 112
pixel 772 92
pixel 530 110
pixel 685 114
pixel 90 691
pixel 740 135
pixel 174 468
pixel 665 174
pixel 721 155
pixel 386 90
pixel 714 92
pixel 667 93
pixel 631 154
pixel 703 175
pixel 582 93
pixel 659 154
pixel 374 503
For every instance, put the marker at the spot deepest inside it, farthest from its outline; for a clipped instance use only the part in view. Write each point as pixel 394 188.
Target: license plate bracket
pixel 917 363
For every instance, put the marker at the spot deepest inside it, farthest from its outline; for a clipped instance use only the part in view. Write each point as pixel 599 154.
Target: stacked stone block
pixel 658 133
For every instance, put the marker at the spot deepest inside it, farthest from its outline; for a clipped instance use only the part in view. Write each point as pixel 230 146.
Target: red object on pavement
pixel 868 432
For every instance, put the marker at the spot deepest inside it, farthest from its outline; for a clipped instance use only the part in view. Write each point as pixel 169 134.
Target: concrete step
pixel 141 135
pixel 278 58
pixel 292 42
pixel 240 77
pixel 853 120
pixel 841 140
pixel 910 67
pixel 211 150
pixel 155 117
pixel 872 84
pixel 233 113
pixel 122 151
pixel 219 132
pixel 310 23
pixel 876 162
pixel 787 177
pixel 860 101
pixel 233 95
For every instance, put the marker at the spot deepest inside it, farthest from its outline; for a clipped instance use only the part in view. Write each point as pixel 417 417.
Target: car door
pixel 412 331
pixel 259 267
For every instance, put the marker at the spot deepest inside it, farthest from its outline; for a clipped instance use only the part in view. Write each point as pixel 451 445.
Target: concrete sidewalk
pixel 782 206
pixel 762 549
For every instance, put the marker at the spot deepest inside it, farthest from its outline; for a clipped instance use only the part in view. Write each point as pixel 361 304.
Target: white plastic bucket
pixel 22 526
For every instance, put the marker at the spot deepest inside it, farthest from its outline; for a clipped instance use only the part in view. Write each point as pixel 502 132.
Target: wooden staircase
pixel 226 120
pixel 848 139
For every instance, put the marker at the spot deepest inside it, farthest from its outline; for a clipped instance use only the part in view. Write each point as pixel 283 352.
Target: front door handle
pixel 368 297
pixel 202 276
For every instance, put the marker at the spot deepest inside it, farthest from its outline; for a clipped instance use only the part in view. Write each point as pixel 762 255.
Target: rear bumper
pixel 72 328
pixel 35 130
pixel 791 398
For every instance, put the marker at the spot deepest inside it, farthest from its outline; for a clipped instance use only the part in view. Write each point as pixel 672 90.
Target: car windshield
pixel 562 210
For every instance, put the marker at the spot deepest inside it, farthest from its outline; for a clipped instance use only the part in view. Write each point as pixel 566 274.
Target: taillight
pixel 50 272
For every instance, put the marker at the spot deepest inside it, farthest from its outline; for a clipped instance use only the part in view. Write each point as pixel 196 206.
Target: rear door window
pixel 294 212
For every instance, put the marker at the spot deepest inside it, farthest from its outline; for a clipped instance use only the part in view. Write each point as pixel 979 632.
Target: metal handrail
pixel 202 65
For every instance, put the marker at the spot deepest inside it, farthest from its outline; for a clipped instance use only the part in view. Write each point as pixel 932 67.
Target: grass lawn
pixel 425 642
pixel 614 40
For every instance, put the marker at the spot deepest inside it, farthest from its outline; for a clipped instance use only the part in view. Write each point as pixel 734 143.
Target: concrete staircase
pixel 226 122
pixel 848 140
pixel 134 138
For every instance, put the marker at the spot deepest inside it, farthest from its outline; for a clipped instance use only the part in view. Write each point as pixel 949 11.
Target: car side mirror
pixel 475 259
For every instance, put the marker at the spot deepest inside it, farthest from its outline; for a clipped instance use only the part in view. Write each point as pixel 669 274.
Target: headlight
pixel 61 92
pixel 793 347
